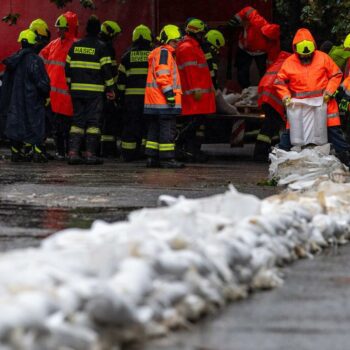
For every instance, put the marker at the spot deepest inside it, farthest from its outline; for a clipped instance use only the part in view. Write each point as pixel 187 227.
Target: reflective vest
pixel 132 73
pixel 299 80
pixel 163 77
pixel 54 55
pixel 89 68
pixel 195 76
pixel 258 36
pixel 266 90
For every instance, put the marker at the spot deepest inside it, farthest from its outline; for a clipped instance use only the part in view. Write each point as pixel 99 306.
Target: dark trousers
pixel 61 127
pixel 271 124
pixel 87 112
pixel 134 129
pixel 335 137
pixel 191 134
pixel 243 63
pixel 160 136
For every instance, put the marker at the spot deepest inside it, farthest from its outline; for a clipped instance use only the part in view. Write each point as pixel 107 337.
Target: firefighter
pixel 163 101
pixel 89 75
pixel 26 86
pixel 54 55
pixel 341 54
pixel 109 32
pixel 131 93
pixel 273 108
pixel 259 41
pixel 311 73
pixel 215 41
pixel 43 35
pixel 198 91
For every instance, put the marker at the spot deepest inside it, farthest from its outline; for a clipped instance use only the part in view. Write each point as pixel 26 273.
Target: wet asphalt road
pixel 311 311
pixel 39 199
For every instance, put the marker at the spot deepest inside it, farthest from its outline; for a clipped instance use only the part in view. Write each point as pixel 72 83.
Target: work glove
pixel 287 101
pixel 326 97
pixel 170 98
pixel 110 95
pixel 339 94
pixel 344 104
pixel 197 95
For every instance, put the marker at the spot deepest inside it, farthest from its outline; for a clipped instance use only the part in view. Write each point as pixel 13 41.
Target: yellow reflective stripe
pixel 152 145
pixel 136 71
pixel 129 145
pixel 143 142
pixel 121 87
pixel 166 147
pixel 215 66
pixel 87 87
pixel 109 82
pixel 105 60
pixel 122 68
pixel 107 138
pixel 68 80
pixel 135 91
pixel 208 56
pixel 84 64
pixel 93 130
pixel 68 59
pixel 114 62
pixel 76 130
pixel 263 138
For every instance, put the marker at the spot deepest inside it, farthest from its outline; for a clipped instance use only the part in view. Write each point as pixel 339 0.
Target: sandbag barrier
pixel 163 268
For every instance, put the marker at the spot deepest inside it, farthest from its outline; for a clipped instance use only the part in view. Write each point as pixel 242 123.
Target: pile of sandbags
pixel 227 103
pixel 89 289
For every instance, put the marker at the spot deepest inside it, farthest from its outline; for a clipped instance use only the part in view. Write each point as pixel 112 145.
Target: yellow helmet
pixel 40 27
pixel 347 42
pixel 195 25
pixel 110 28
pixel 215 38
pixel 169 32
pixel 27 36
pixel 61 22
pixel 305 48
pixel 142 31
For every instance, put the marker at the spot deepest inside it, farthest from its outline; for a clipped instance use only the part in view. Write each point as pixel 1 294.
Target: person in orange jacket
pixel 259 41
pixel 273 108
pixel 309 73
pixel 54 55
pixel 197 87
pixel 163 101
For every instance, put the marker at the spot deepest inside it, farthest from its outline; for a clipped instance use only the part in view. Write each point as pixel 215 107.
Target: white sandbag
pixel 308 121
pixel 222 106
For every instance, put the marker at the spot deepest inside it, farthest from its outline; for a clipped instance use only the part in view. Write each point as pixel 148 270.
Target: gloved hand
pixel 344 105
pixel 287 101
pixel 110 95
pixel 170 100
pixel 339 94
pixel 326 97
pixel 197 95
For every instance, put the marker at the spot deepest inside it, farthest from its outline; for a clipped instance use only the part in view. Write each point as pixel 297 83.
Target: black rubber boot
pixel 261 151
pixel 109 149
pixel 75 141
pixel 152 162
pixel 39 155
pixel 92 144
pixel 171 164
pixel 344 157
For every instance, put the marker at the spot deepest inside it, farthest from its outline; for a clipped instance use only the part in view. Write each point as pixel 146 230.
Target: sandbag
pixel 308 121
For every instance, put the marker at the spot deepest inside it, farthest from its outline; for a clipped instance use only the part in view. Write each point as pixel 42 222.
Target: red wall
pixel 128 13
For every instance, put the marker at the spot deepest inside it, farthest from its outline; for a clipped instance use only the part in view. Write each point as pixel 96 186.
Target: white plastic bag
pixel 308 121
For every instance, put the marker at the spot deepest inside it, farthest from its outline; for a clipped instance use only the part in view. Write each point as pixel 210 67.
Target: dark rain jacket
pixel 26 85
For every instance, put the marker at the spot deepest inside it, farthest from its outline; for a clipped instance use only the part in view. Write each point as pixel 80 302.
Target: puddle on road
pixel 25 225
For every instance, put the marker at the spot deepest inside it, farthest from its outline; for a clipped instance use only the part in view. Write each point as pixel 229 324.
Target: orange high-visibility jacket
pixel 258 36
pixel 321 76
pixel 162 78
pixel 266 89
pixel 54 55
pixel 195 76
